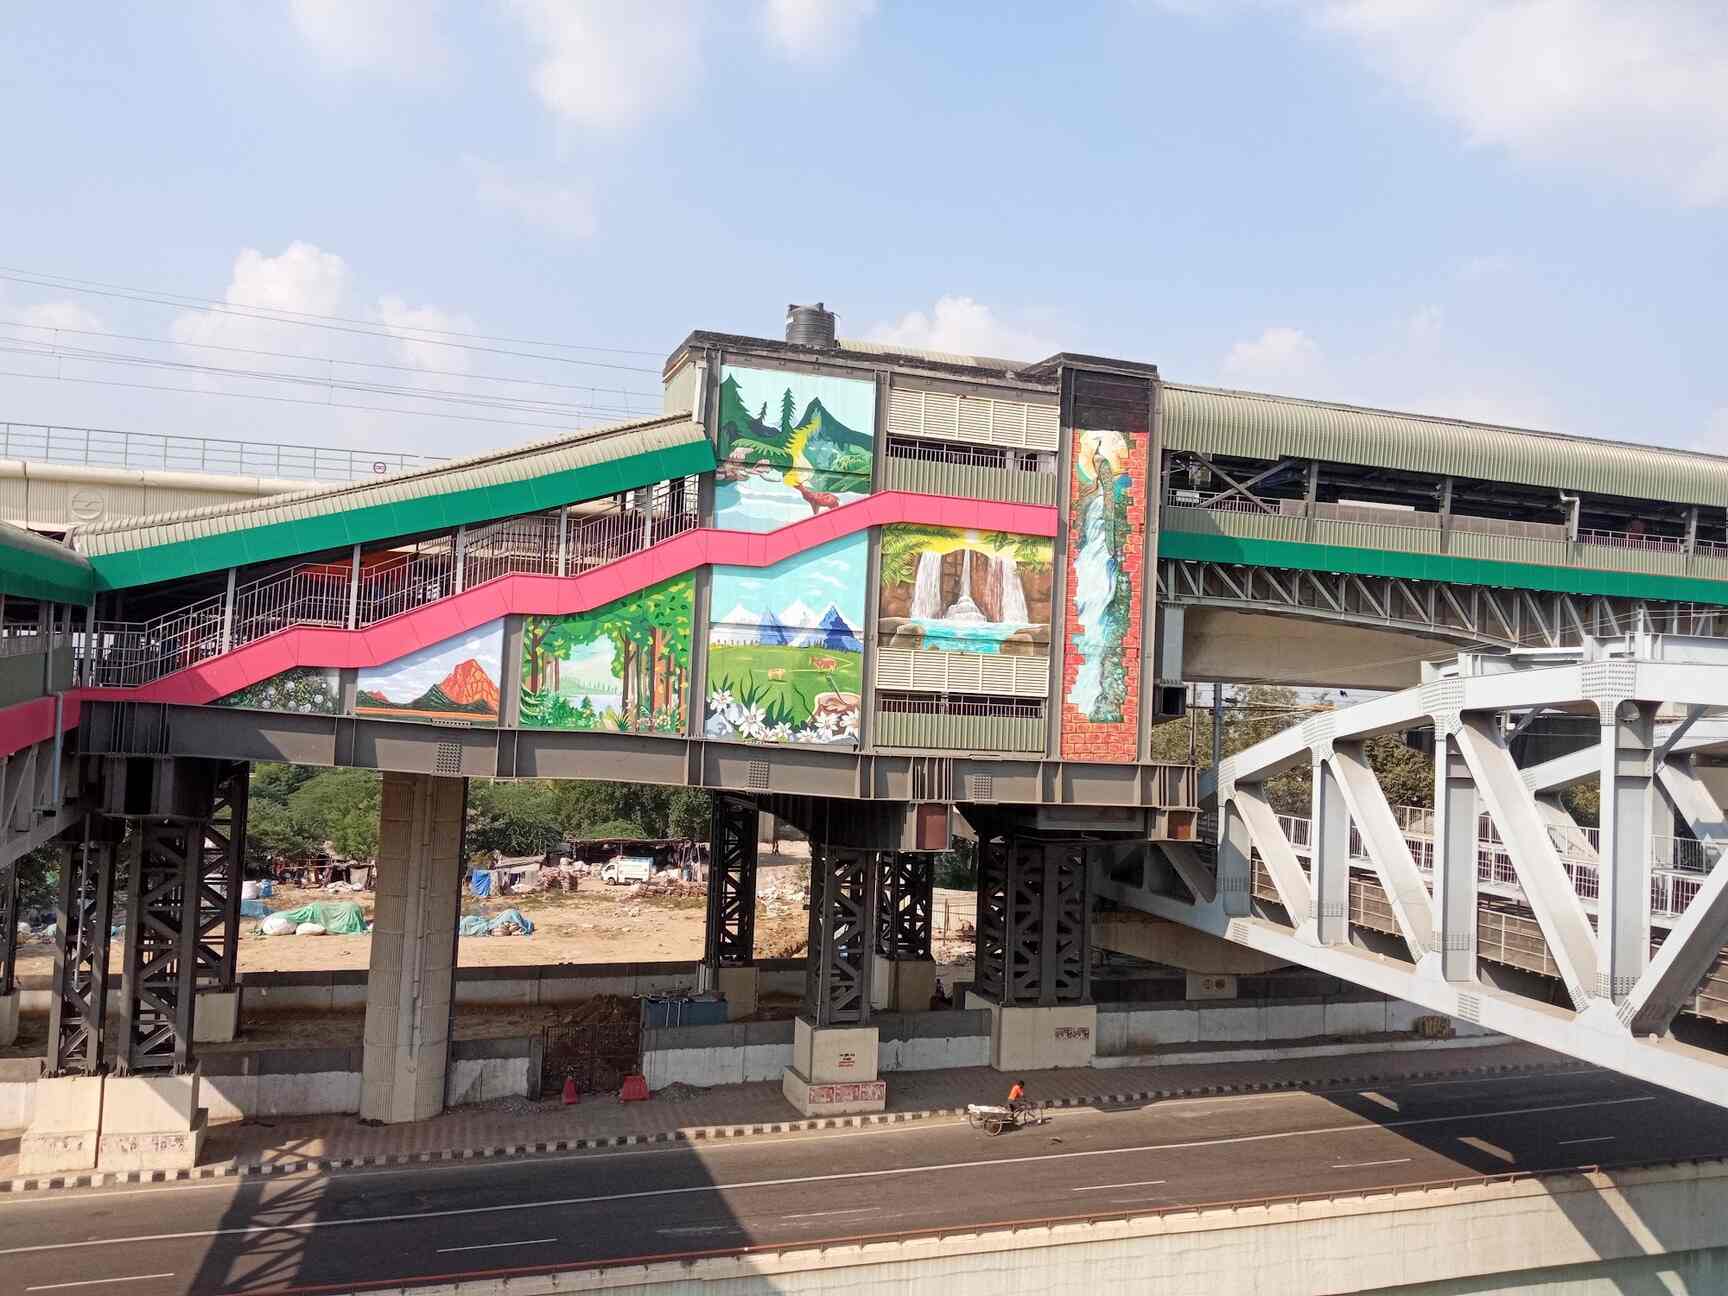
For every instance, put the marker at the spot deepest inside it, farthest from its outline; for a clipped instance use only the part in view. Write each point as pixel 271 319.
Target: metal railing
pixel 120 654
pixel 168 452
pixel 1005 458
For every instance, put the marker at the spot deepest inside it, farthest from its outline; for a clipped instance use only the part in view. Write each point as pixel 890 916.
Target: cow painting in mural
pixel 1103 591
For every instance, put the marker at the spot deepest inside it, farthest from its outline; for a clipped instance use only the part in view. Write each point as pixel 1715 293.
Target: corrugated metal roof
pixel 1252 425
pixel 32 567
pixel 519 463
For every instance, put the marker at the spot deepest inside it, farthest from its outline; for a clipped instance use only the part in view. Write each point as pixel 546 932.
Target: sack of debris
pixel 277 925
pixel 338 917
pixel 309 929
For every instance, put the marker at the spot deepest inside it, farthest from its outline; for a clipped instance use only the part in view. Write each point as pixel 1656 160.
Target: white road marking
pixel 97 1282
pixel 1363 1165
pixel 247 1230
pixel 1138 1183
pixel 1606 1138
pixel 692 1230
pixel 1166 1105
pixel 493 1246
pixel 862 1210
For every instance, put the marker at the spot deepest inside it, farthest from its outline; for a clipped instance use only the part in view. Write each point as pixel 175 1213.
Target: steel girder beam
pixel 731 927
pixel 1467 615
pixel 164 871
pixel 908 887
pixel 38 799
pixel 1034 920
pixel 78 1011
pixel 844 892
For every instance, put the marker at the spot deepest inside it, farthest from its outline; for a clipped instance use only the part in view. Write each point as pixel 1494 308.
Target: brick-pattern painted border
pixel 713 1133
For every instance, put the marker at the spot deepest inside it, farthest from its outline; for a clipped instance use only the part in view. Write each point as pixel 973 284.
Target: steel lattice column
pixel 9 930
pixel 221 872
pixel 731 934
pixel 78 1011
pixel 844 886
pixel 908 884
pixel 164 874
pixel 1034 913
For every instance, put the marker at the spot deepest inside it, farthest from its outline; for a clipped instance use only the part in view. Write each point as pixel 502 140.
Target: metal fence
pixel 168 452
pixel 125 654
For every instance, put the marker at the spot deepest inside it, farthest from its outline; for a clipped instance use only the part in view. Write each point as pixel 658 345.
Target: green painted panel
pixel 1436 567
pixel 34 568
pixel 401 517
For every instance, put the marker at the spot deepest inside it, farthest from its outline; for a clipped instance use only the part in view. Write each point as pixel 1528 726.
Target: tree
pixel 273 831
pixel 514 819
pixel 340 807
pixel 787 413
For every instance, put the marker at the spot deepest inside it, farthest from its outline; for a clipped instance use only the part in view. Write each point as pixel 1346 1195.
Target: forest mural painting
pixel 623 667
pixel 1106 545
pixel 790 445
pixel 964 591
pixel 456 679
pixel 785 661
pixel 304 690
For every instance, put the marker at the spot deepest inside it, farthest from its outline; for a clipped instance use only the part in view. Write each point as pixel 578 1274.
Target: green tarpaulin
pixel 338 917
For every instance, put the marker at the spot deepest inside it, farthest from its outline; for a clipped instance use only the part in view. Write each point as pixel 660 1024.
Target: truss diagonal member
pixel 1695 942
pixel 1276 852
pixel 1512 808
pixel 1623 871
pixel 1388 850
pixel 1329 857
pixel 1456 881
pixel 1193 870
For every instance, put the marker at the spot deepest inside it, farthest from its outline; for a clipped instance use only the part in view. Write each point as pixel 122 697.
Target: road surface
pixel 443 1221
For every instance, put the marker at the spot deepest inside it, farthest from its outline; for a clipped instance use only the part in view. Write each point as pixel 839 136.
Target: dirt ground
pixel 598 924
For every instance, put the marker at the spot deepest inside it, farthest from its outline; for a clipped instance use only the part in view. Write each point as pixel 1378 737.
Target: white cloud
pixel 58 315
pixel 1279 354
pixel 606 64
pixel 303 279
pixel 398 37
pixel 965 327
pixel 411 323
pixel 814 28
pixel 562 209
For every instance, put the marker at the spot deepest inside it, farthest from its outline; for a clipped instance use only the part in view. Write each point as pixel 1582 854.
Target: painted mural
pixel 964 591
pixel 1106 556
pixel 456 679
pixel 304 690
pixel 621 668
pixel 790 445
pixel 785 661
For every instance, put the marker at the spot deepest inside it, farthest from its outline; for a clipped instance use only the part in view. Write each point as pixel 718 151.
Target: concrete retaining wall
pixel 1663 1230
pixel 1125 1030
pixel 738 1052
pixel 310 1081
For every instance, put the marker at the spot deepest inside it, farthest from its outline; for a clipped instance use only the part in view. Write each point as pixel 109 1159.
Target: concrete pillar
pixel 1455 882
pixel 834 1070
pixel 8 1019
pixel 151 1122
pixel 1329 857
pixel 65 1125
pixel 1032 1037
pixel 218 1017
pixel 1628 793
pixel 408 998
pixel 834 1048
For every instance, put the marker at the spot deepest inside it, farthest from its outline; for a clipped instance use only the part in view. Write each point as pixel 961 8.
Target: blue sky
pixel 1509 210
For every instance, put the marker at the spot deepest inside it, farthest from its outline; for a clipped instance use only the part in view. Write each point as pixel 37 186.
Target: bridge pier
pixel 410 982
pixel 1034 973
pixel 729 956
pixel 905 972
pixel 9 958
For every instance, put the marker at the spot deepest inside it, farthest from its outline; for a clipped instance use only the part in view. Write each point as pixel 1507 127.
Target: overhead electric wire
pixel 334 360
pixel 100 288
pixel 332 322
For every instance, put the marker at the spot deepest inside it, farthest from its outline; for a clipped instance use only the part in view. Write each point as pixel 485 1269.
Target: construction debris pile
pixel 784 899
pixel 668 883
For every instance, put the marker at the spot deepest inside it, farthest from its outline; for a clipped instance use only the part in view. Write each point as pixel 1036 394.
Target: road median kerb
pixel 705 1133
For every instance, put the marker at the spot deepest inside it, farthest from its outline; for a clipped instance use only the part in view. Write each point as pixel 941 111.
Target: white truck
pixel 622 870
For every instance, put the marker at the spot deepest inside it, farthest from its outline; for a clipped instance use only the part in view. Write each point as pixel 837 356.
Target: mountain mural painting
pixel 622 668
pixel 456 679
pixel 790 445
pixel 964 591
pixel 785 661
pixel 303 690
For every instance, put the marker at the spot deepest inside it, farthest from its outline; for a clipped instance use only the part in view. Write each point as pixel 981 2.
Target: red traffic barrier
pixel 635 1089
pixel 571 1096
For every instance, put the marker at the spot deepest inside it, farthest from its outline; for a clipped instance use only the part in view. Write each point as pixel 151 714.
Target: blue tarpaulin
pixel 480 883
pixel 254 909
pixel 481 925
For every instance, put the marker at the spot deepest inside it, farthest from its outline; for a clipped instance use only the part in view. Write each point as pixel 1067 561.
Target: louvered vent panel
pixel 1008 422
pixel 906 412
pixel 930 672
pixel 941 415
pixel 1031 676
pixel 893 668
pixel 975 420
pixel 995 674
pixel 1042 431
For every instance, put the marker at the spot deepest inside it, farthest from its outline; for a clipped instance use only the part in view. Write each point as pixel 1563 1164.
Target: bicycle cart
pixel 993 1120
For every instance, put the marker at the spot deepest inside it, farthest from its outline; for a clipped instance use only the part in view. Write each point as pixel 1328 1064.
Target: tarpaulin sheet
pixel 338 917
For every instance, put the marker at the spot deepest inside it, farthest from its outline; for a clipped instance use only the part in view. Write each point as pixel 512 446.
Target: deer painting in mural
pixel 817 500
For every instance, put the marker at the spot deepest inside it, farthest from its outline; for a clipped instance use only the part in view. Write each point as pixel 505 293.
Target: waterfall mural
pixel 964 591
pixel 1106 554
pixel 785 663
pixel 622 667
pixel 790 445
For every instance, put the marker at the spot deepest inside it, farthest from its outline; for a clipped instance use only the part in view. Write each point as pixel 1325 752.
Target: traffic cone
pixel 571 1097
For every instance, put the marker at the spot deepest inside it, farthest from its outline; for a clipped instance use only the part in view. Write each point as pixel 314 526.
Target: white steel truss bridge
pixel 1631 918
